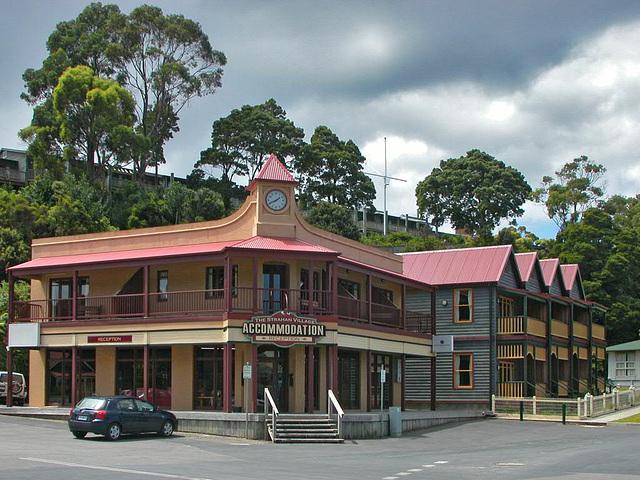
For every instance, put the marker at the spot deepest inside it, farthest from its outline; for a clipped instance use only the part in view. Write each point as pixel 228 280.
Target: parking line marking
pixel 428 466
pixel 441 461
pixel 111 469
pixel 414 470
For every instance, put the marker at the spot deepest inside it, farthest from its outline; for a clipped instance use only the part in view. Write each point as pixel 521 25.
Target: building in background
pixel 623 363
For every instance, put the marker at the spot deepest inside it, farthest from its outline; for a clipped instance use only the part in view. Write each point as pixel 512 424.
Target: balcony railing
pixel 559 329
pixel 580 330
pixel 515 325
pixel 201 302
pixel 511 389
pixel 598 331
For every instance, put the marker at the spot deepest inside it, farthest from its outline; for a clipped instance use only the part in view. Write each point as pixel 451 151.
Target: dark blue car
pixel 114 416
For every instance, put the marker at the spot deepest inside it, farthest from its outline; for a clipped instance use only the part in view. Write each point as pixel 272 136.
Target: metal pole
pixel 246 408
pixel 385 180
pixel 521 411
pixel 564 413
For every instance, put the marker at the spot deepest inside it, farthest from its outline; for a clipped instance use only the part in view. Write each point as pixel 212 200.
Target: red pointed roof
pixel 526 262
pixel 549 268
pixel 255 243
pixel 274 171
pixel 569 274
pixel 458 266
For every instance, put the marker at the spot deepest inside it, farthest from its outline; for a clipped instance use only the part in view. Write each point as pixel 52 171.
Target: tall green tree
pixel 95 116
pixel 474 192
pixel 331 170
pixel 164 61
pixel 242 141
pixel 576 188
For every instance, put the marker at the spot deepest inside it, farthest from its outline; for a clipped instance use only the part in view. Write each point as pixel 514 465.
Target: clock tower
pixel 273 192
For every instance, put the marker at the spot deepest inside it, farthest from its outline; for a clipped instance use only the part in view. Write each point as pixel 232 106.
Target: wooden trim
pixel 470 305
pixel 453 366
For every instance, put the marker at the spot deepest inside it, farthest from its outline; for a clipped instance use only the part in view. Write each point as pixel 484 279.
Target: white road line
pixel 511 464
pixel 111 469
pixel 428 466
pixel 441 461
pixel 414 470
pixel 390 478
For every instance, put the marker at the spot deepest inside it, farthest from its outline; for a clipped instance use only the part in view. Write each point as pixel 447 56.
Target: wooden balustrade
pixel 511 389
pixel 598 331
pixel 511 325
pixel 580 330
pixel 559 329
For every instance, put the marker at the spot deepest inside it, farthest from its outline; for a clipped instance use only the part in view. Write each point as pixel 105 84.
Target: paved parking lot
pixel 487 449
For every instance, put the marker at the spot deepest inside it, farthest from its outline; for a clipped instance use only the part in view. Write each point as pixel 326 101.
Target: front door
pixel 273 373
pixel 273 282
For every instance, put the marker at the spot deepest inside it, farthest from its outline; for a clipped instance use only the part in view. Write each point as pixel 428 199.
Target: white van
pixel 19 390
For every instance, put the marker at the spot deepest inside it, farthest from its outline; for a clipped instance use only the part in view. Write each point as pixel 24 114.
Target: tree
pixel 333 218
pixel 474 192
pixel 242 141
pixel 95 117
pixel 331 170
pixel 20 356
pixel 576 190
pixel 163 60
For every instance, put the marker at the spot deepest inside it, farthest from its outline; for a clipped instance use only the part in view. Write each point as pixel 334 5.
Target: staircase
pixel 303 428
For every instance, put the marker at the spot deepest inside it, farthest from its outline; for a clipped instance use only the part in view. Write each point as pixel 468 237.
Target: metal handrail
pixel 268 402
pixel 332 402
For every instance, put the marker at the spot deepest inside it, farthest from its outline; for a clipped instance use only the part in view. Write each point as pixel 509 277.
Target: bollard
pixel 535 406
pixel 521 411
pixel 578 402
pixel 564 413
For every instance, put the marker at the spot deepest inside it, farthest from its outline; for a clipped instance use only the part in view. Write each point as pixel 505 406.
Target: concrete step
pixel 309 440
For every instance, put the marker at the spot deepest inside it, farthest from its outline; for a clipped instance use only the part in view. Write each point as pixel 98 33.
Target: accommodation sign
pixel 283 329
pixel 110 339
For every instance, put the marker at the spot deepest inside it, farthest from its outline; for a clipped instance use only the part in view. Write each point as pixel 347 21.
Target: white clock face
pixel 276 200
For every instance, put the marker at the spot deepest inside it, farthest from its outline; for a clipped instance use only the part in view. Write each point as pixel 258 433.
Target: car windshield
pixel 91 403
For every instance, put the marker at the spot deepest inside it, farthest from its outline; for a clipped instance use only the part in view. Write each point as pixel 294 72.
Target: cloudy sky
pixel 534 83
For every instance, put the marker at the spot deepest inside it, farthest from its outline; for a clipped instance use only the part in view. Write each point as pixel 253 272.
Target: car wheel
pixel 113 432
pixel 167 429
pixel 78 434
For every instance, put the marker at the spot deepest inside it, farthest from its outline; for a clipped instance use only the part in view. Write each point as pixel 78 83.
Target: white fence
pixel 587 407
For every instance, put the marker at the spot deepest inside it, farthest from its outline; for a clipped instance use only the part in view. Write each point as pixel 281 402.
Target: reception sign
pixel 283 329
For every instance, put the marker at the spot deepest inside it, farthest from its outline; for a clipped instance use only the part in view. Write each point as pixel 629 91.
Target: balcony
pixel 580 330
pixel 242 300
pixel 514 325
pixel 598 332
pixel 559 329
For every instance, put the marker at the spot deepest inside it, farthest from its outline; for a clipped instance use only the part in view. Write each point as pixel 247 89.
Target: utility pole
pixel 386 179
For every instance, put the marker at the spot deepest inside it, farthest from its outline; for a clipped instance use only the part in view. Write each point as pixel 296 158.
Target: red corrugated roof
pixel 569 274
pixel 282 243
pixel 458 266
pixel 273 169
pixel 256 243
pixel 549 268
pixel 526 262
pixel 122 256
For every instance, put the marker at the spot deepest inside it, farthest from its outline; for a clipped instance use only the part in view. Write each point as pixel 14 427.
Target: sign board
pixel 442 343
pixel 246 371
pixel 383 376
pixel 110 339
pixel 284 329
pixel 24 335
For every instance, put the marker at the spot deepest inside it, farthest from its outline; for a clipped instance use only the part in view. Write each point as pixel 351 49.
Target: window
pixel 462 370
pixel 215 282
pixel 625 364
pixel 163 285
pixel 347 288
pixel 382 296
pixel 463 306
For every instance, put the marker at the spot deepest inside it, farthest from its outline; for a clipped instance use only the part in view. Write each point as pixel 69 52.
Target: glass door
pixel 273 374
pixel 273 283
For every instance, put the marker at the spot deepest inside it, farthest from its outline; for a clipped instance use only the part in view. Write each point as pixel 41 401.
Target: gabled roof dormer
pixel 531 272
pixel 573 280
pixel 553 276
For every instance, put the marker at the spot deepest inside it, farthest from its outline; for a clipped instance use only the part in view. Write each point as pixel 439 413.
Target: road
pixel 488 449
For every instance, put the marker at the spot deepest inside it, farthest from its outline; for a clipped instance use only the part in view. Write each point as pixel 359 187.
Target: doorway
pixel 273 284
pixel 273 373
